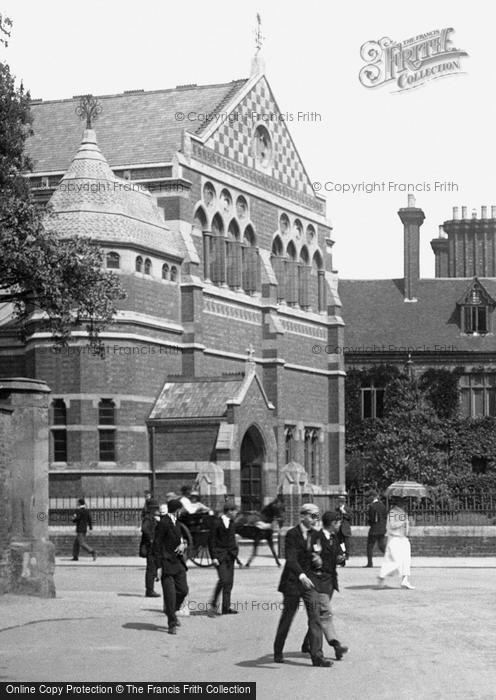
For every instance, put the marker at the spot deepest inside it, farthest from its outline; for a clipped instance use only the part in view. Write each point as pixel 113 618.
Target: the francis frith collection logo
pixel 410 63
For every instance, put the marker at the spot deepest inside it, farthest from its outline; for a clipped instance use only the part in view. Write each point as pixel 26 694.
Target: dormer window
pixel 476 308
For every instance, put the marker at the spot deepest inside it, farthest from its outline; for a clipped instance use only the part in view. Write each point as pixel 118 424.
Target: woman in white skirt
pixel 398 553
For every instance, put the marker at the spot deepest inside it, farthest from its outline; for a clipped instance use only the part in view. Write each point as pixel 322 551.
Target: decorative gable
pixel 476 295
pixel 476 307
pixel 254 134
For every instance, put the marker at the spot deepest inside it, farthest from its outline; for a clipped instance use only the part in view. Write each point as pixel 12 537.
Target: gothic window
pixel 217 252
pixel 165 271
pixel 291 275
pixel 59 433
pixel 241 207
pixel 139 264
pixel 106 435
pixel 284 224
pixel 298 229
pixel 478 395
pixel 319 272
pixel 372 401
pixel 289 442
pixel 113 261
pixel 148 266
pixel 225 201
pixel 310 233
pixel 173 274
pixel 209 194
pixel 304 279
pixel 278 265
pixel 312 454
pixel 250 262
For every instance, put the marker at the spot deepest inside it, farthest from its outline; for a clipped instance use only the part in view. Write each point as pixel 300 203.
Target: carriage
pixel 196 531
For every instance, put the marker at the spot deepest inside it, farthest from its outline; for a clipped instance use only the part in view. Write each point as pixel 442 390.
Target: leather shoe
pixel 305 647
pixel 153 594
pixel 320 661
pixel 278 659
pixel 173 629
pixel 74 559
pixel 231 611
pixel 339 649
pixel 368 566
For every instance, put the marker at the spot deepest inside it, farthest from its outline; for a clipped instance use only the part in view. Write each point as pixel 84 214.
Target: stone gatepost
pixel 31 557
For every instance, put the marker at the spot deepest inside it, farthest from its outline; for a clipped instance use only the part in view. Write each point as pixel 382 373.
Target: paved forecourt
pixel 438 641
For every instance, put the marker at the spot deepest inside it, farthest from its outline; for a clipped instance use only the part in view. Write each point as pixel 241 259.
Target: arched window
pixel 165 271
pixel 241 207
pixel 225 201
pixel 173 273
pixel 312 454
pixel 113 261
pixel 139 264
pixel 298 229
pixel 319 272
pixel 209 195
pixel 310 233
pixel 279 265
pixel 218 252
pixel 251 262
pixel 148 266
pixel 291 275
pixel 233 256
pixel 106 434
pixel 289 443
pixel 200 219
pixel 59 433
pixel 304 278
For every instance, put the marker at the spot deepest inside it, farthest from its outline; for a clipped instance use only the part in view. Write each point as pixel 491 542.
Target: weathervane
pixel 259 38
pixel 89 108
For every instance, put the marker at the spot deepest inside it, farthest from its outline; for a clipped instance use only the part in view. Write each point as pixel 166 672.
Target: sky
pixel 441 132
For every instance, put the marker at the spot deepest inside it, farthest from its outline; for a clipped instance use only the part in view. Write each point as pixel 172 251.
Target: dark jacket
pixel 346 517
pixel 298 561
pixel 167 538
pixel 325 577
pixel 377 518
pixel 222 541
pixel 82 519
pixel 148 527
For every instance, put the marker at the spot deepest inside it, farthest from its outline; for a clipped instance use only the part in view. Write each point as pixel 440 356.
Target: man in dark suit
pixel 148 525
pixel 224 552
pixel 346 515
pixel 168 548
pixel 377 520
pixel 82 519
pixel 326 556
pixel 296 584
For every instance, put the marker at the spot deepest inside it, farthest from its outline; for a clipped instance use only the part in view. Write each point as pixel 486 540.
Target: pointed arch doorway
pixel 252 460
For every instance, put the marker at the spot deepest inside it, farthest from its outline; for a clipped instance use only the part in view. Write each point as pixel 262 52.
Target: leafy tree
pixel 59 282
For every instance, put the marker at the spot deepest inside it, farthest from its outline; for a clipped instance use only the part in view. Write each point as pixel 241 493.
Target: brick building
pixel 446 322
pixel 224 251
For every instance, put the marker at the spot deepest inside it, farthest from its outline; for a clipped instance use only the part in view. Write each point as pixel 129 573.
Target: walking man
pixel 148 525
pixel 168 548
pixel 346 515
pixel 224 552
pixel 82 519
pixel 296 584
pixel 377 519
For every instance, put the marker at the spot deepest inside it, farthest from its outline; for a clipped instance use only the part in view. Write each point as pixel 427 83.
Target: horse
pixel 258 526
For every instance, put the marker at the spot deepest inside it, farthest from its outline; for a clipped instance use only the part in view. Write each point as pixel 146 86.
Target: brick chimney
pixel 412 218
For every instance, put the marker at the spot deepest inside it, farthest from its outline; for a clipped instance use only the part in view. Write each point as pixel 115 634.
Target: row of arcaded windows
pixel 300 280
pixel 169 272
pixel 106 431
pixel 311 450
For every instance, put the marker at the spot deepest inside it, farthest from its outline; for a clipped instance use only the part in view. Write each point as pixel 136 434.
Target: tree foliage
pixel 59 282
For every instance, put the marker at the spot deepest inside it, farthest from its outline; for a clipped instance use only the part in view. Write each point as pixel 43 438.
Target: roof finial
pixel 258 63
pixel 88 108
pixel 259 38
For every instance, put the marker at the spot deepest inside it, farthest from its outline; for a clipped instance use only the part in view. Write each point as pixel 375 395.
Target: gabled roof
pixel 376 314
pixel 134 128
pixel 91 201
pixel 204 397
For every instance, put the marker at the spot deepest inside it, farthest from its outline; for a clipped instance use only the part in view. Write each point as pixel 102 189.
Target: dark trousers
pixel 80 543
pixel 371 541
pixel 150 573
pixel 291 604
pixel 175 590
pixel 225 572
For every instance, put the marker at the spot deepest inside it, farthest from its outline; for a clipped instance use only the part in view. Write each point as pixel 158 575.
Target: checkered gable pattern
pixel 234 139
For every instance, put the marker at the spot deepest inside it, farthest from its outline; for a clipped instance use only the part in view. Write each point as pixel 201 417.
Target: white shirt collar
pixel 225 520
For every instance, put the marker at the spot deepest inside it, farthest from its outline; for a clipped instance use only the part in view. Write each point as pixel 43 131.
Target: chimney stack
pixel 412 218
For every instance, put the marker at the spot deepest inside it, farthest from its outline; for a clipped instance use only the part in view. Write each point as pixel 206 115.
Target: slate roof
pixel 375 313
pixel 91 201
pixel 197 398
pixel 133 128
